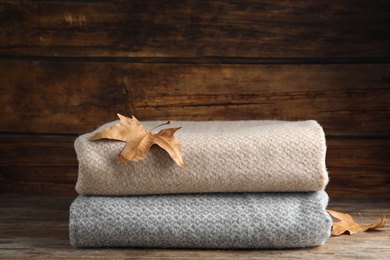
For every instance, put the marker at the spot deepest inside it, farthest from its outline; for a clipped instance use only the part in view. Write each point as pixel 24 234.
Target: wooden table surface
pixel 37 227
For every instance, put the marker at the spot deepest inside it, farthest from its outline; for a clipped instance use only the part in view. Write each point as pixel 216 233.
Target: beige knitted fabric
pixel 221 156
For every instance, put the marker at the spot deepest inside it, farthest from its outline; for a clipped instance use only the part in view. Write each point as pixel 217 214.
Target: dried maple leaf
pixel 348 225
pixel 139 140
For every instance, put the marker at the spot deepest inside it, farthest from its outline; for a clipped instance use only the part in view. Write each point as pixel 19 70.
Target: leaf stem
pixel 167 123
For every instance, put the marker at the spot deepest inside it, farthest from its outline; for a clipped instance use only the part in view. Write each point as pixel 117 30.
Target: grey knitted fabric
pixel 222 156
pixel 231 220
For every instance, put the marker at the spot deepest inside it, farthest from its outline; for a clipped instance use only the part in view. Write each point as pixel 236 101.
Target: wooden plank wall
pixel 68 66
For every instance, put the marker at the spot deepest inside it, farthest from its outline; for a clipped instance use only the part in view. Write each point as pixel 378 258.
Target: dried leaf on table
pixel 348 225
pixel 139 141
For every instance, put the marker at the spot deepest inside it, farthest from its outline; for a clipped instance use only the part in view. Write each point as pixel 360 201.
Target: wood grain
pixel 37 227
pixel 214 28
pixel 38 164
pixel 76 97
pixel 358 168
pixel 67 67
pixel 43 164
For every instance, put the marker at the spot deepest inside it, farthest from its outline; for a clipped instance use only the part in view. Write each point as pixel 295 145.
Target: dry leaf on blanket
pixel 348 225
pixel 139 141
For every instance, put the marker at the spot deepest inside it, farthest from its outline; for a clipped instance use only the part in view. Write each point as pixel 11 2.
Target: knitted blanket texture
pixel 232 220
pixel 221 156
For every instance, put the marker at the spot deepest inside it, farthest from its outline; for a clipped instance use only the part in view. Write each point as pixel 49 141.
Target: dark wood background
pixel 68 66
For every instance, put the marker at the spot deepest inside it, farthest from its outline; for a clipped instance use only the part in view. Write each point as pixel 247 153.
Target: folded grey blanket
pixel 231 220
pixel 221 156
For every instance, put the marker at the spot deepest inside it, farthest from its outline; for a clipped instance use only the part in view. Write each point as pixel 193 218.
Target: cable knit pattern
pixel 221 156
pixel 234 220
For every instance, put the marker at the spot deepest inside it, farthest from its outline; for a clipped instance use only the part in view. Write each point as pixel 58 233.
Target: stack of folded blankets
pixel 247 184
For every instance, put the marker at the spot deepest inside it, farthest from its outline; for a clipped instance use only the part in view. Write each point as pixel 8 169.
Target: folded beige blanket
pixel 221 156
